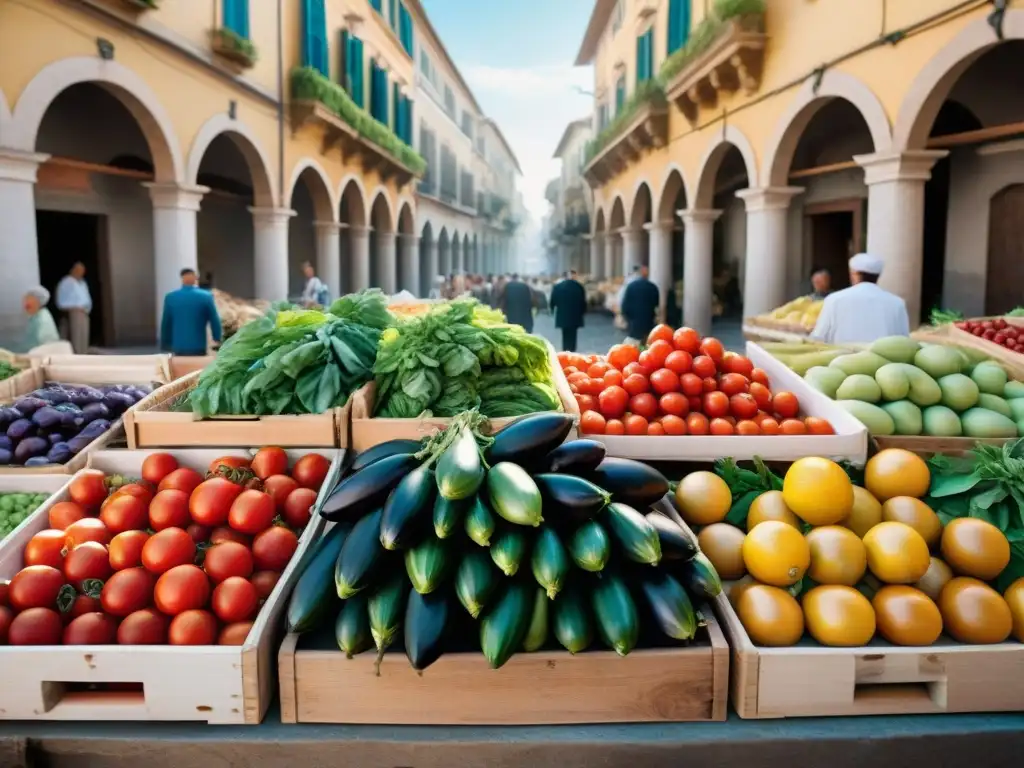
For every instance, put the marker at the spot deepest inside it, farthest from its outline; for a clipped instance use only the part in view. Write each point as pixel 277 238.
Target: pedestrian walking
pixel 315 294
pixel 188 312
pixel 639 305
pixel 517 303
pixel 569 305
pixel 75 302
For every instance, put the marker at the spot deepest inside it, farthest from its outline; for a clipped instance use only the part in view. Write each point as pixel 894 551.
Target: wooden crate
pixel 928 446
pixel 1012 361
pixel 184 365
pixel 127 368
pixel 151 424
pixel 543 688
pixel 214 684
pixel 31 483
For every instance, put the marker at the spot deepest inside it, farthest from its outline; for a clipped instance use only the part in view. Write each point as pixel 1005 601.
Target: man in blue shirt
pixel 187 312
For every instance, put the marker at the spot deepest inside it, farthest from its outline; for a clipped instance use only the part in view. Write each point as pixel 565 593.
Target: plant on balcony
pixel 706 32
pixel 649 93
pixel 310 84
pixel 232 45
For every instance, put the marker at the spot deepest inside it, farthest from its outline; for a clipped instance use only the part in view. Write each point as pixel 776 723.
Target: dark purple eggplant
pixel 47 417
pixel 53 395
pixel 56 437
pixel 117 402
pixel 29 447
pixel 79 443
pixel 95 428
pixel 37 461
pixel 20 429
pixel 94 411
pixel 8 414
pixel 6 456
pixel 29 404
pixel 59 454
pixel 82 396
pixel 6 443
pixel 136 393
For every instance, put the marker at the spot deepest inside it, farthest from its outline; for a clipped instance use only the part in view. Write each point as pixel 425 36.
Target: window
pixel 405 31
pixel 467 124
pixel 645 56
pixel 466 196
pixel 678 24
pixel 378 93
pixel 428 148
pixel 314 36
pixel 403 115
pixel 620 94
pixel 449 101
pixel 481 145
pixel 236 16
pixel 377 6
pixel 352 75
pixel 393 14
pixel 449 175
pixel 618 13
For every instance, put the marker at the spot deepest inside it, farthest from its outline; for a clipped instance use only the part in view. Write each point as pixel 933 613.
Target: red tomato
pixel 636 384
pixel 86 529
pixel 269 461
pixel 613 378
pixel 716 404
pixel 586 402
pixel 228 559
pixel 759 376
pixel 226 533
pixel 182 588
pixel 5 590
pixel 696 403
pixel 6 617
pixel 659 333
pixel 157 466
pixel 280 488
pixel 265 581
pixel 592 387
pixel 674 404
pixel 169 509
pixel 136 490
pixel 722 427
pixel 636 425
pixel 89 488
pixel 598 370
pixel 298 507
pixel 125 550
pixel 45 548
pixel 231 462
pixel 311 470
pixel 673 425
pixel 679 361
pixel 786 405
pixel 146 626
pixel 687 340
pixel 253 511
pixel 577 378
pixel 272 549
pixel 87 561
pixel 64 513
pixel 816 426
pixel 664 381
pixel 644 405
pixel 769 426
pixel 709 384
pixel 632 368
pixel 659 352
pixel 762 395
pixel 127 591
pixel 36 626
pixel 199 533
pixel 743 406
pixel 125 512
pixel 181 479
pixel 646 361
pixel 234 634
pixel 193 628
pixel 615 427
pixel 622 355
pixel 793 427
pixel 91 629
pixel 167 549
pixel 712 347
pixel 612 402
pixel 654 429
pixel 738 364
pixel 592 423
pixel 704 366
pixel 732 384
pixel 35 586
pixel 234 599
pixel 82 605
pixel 210 503
pixel 691 385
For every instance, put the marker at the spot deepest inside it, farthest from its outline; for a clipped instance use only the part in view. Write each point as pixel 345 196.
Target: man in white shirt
pixel 74 300
pixel 315 293
pixel 863 312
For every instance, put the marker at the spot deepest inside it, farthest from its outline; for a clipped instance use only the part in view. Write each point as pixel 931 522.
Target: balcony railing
pixel 641 124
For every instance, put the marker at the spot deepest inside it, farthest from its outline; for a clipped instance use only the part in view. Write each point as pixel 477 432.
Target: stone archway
pixel 355 237
pixel 408 249
pixel 383 266
pixel 313 233
pixel 668 264
pixel 256 158
pixel 428 259
pixel 732 139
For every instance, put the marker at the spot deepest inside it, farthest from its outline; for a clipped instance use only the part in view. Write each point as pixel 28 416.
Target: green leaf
pixel 1000 515
pixel 993 495
pixel 460 362
pixel 951 485
pixel 417 386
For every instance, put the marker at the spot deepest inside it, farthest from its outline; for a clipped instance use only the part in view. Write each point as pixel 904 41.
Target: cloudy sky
pixel 518 59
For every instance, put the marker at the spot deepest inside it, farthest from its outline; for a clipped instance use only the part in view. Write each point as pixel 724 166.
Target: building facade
pixel 572 203
pixel 740 144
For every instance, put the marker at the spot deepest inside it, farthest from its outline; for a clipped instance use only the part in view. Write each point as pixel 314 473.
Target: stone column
pixel 19 246
pixel 764 284
pixel 698 245
pixel 608 253
pixel 432 267
pixel 632 248
pixel 387 262
pixel 271 247
pixel 174 235
pixel 596 261
pixel 328 255
pixel 660 267
pixel 359 255
pixel 895 214
pixel 409 253
pixel 456 257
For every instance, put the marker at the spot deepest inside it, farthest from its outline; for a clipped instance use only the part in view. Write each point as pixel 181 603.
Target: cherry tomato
pixel 6 617
pixel 88 560
pixel 91 629
pixel 716 404
pixel 654 429
pixel 272 549
pixel 762 395
pixel 759 376
pixel 157 466
pixel 88 489
pixel 298 507
pixel 786 405
pixel 636 425
pixel 644 405
pixel 169 509
pixel 721 427
pixel 125 512
pixel 182 588
pixel 193 628
pixel 228 559
pixel 269 461
pixel 35 586
pixel 598 370
pixel 636 384
pixel 210 503
pixel 743 406
pixel 136 490
pixel 679 361
pixel 231 462
pixel 674 404
pixel 613 378
pixel 612 402
pixel 253 511
pixel 747 427
pixel 704 366
pixel 280 488
pixel 592 387
pixel 577 378
pixel 632 368
pixel 660 333
pixel 712 347
pixel 793 427
pixel 166 549
pixel 816 426
pixel 691 385
pixel 615 427
pixel 86 529
pixel 64 513
pixel 686 339
pixel 181 479
pixel 592 423
pixel 769 426
pixel 659 352
pixel 146 626
pixel 234 634
pixel 586 402
pixel 127 591
pixel 199 533
pixel 45 548
pixel 697 424
pixel 234 599
pixel 738 364
pixel 82 605
pixel 265 581
pixel 646 361
pixel 226 533
pixel 311 470
pixel 664 381
pixel 622 355
pixel 673 425
pixel 709 384
pixel 732 384
pixel 36 626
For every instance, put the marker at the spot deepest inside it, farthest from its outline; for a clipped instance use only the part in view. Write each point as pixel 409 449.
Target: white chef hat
pixel 866 263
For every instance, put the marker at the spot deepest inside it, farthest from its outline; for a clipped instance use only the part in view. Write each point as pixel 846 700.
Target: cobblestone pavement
pixel 600 333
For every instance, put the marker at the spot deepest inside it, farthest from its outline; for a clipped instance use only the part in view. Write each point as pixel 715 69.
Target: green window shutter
pixel 357 77
pixel 236 16
pixel 314 36
pixel 396 110
pixel 377 6
pixel 343 64
pixel 640 59
pixel 384 97
pixel 408 122
pixel 649 53
pixel 678 24
pixel 405 32
pixel 644 57
pixel 685 13
pixel 393 14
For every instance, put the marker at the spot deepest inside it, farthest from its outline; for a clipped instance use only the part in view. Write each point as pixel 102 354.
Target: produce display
pixel 996 330
pixel 681 384
pixel 7 370
pixel 16 507
pixel 458 356
pixel 501 544
pixel 799 315
pixel 53 424
pixel 899 386
pixel 170 558
pixel 812 553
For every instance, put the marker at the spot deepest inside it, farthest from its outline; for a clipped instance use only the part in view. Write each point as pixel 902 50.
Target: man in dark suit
pixel 517 302
pixel 569 304
pixel 639 305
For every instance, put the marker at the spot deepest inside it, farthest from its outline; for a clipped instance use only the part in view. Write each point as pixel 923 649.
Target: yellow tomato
pixel 703 498
pixel 866 512
pixel 973 612
pixel 770 615
pixel 897 554
pixel 975 548
pixel 839 616
pixel 906 616
pixel 896 472
pixel 737 588
pixel 818 491
pixel 935 578
pixel 776 554
pixel 722 544
pixel 1014 597
pixel 771 506
pixel 837 555
pixel 916 514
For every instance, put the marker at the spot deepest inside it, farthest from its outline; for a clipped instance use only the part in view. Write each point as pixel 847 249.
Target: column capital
pixel 768 198
pixel 328 226
pixel 659 226
pixel 20 166
pixel 271 216
pixel 383 234
pixel 698 215
pixel 358 231
pixel 171 195
pixel 912 165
